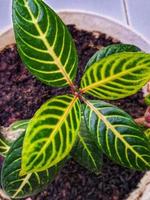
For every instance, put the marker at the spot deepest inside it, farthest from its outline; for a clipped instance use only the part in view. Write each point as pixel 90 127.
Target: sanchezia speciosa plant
pixel 71 125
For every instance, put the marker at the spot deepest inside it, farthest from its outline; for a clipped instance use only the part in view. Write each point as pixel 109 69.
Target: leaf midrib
pixel 49 48
pixel 87 149
pixel 117 134
pixel 26 179
pixel 53 133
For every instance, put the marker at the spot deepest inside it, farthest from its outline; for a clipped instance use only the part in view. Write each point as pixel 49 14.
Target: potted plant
pixel 42 148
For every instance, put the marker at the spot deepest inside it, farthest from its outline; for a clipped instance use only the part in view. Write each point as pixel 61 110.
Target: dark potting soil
pixel 21 95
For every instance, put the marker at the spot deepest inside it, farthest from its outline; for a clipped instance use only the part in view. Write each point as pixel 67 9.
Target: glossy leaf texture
pixel 117 76
pixel 109 50
pixel 147 134
pixel 44 43
pixel 87 151
pixel 30 184
pixel 4 146
pixel 117 134
pixel 51 133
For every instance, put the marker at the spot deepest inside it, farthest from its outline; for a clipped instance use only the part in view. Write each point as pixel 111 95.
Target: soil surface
pixel 21 95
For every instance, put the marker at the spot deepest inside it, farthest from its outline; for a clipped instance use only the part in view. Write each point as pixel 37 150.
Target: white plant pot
pixel 92 22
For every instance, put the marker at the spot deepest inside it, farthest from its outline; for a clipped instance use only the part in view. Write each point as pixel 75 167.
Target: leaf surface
pixel 11 133
pixel 147 134
pixel 4 145
pixel 109 50
pixel 117 134
pixel 117 76
pixel 32 183
pixel 51 133
pixel 19 125
pixel 87 151
pixel 44 43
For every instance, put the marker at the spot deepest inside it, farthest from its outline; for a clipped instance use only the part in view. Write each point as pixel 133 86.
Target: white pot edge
pixel 99 23
pixel 106 25
pixel 143 189
pixel 129 35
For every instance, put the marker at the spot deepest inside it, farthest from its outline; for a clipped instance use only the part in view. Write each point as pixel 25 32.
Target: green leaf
pixel 4 145
pixel 117 134
pixel 117 76
pixel 147 100
pixel 12 132
pixel 147 134
pixel 9 134
pixel 87 151
pixel 19 125
pixel 51 133
pixel 16 129
pixel 32 183
pixel 109 50
pixel 44 43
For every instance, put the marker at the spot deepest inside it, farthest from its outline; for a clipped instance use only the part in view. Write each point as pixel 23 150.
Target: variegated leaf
pixel 19 125
pixel 9 134
pixel 147 134
pixel 118 135
pixel 51 133
pixel 117 76
pixel 4 145
pixel 44 43
pixel 87 151
pixel 109 50
pixel 30 184
pixel 12 132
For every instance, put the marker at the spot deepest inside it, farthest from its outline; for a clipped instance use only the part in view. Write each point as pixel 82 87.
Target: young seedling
pixel 71 124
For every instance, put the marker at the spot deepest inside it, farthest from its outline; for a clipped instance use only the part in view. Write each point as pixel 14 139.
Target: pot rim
pixel 102 23
pixel 105 17
pixel 92 14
